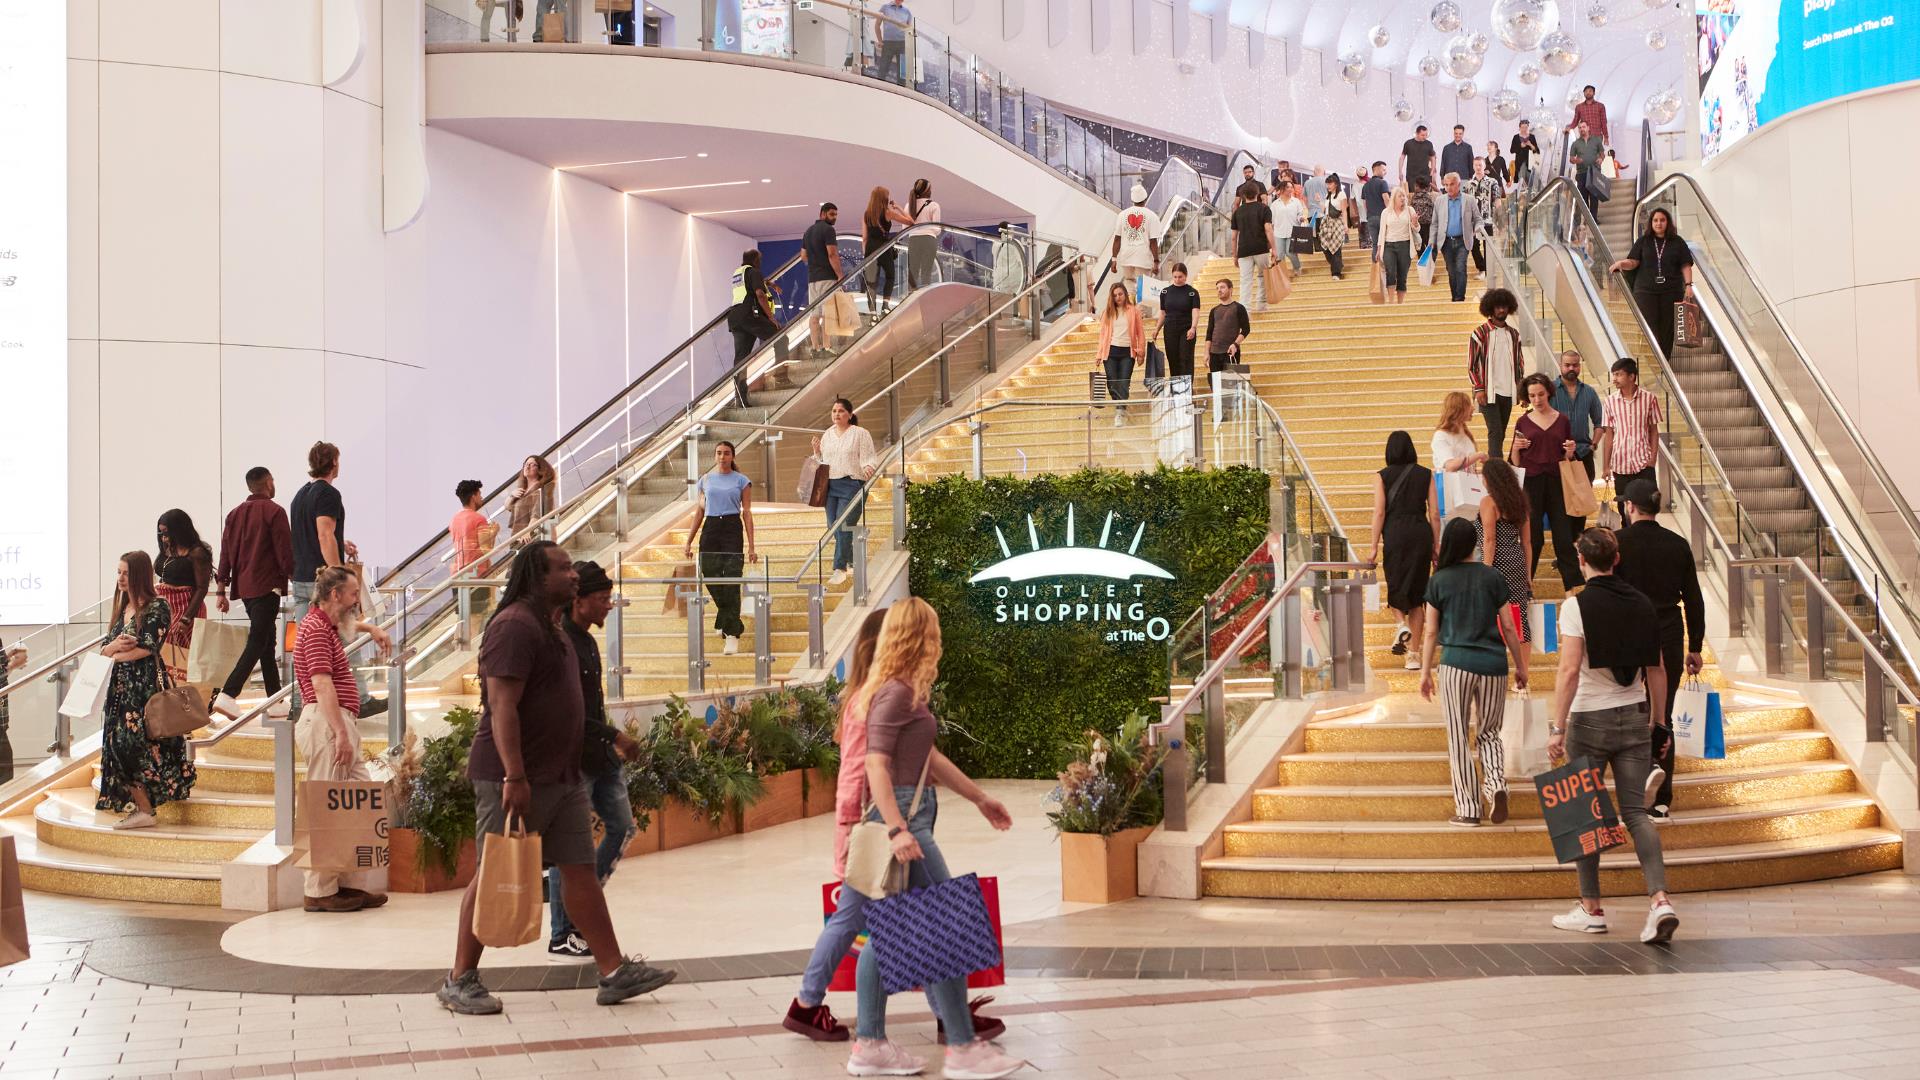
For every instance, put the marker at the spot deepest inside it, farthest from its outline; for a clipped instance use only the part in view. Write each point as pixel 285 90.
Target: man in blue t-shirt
pixel 890 33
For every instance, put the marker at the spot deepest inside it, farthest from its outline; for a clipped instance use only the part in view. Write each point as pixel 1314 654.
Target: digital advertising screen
pixel 1760 60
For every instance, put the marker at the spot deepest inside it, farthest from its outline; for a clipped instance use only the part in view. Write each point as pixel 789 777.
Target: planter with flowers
pixel 1108 800
pixel 431 846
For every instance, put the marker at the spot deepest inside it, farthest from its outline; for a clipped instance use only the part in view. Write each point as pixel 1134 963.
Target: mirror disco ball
pixel 1445 16
pixel 1478 42
pixel 1575 95
pixel 1353 68
pixel 1529 73
pixel 1402 110
pixel 1520 24
pixel 1598 16
pixel 1506 105
pixel 1559 53
pixel 1466 91
pixel 1546 124
pixel 1663 106
pixel 1429 65
pixel 1462 61
pixel 1379 36
pixel 1656 40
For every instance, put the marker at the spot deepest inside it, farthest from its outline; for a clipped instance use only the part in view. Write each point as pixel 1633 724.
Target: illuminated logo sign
pixel 1033 593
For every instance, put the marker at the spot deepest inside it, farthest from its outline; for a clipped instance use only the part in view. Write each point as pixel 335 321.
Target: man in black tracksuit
pixel 1660 563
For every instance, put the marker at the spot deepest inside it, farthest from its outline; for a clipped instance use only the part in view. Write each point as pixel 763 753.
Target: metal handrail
pixel 1833 604
pixel 46 670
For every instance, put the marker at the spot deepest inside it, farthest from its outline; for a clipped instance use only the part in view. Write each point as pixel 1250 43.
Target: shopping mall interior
pixel 1380 507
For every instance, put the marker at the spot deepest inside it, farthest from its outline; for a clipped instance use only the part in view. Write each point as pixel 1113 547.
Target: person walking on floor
pixel 1580 404
pixel 1289 213
pixel 1465 601
pixel 1659 562
pixel 846 449
pixel 1253 244
pixel 905 773
pixel 1393 245
pixel 138 775
pixel 1456 225
pixel 183 572
pixel 525 764
pixel 256 559
pixel 1585 155
pixel 1406 527
pixel 328 733
pixel 1416 158
pixel 1630 430
pixel 1227 329
pixel 723 526
pixel 750 320
pixel 821 245
pixel 602 750
pixel 1136 242
pixel 876 240
pixel 1179 307
pixel 1541 441
pixel 1333 227
pixel 1506 544
pixel 1498 169
pixel 1494 365
pixel 1662 266
pixel 1373 202
pixel 1456 157
pixel 1117 356
pixel 1610 696
pixel 1486 193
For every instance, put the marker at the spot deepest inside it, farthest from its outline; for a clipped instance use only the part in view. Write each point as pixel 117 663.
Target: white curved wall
pixel 1816 201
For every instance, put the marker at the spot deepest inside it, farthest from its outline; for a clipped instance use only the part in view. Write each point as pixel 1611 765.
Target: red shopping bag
pixel 993 976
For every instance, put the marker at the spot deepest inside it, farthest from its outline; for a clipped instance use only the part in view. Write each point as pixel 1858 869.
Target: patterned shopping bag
pixel 925 936
pixel 843 976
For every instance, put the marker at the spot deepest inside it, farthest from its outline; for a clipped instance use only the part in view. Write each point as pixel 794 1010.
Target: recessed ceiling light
pixel 630 161
pixel 766 179
pixel 685 187
pixel 701 154
pixel 750 210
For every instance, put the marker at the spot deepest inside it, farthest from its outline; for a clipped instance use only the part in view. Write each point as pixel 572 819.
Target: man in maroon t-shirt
pixel 525 762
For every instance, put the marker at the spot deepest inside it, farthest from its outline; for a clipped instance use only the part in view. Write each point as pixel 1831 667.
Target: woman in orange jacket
pixel 1119 357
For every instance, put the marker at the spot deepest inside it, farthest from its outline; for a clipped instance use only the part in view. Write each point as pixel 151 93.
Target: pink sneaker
pixel 880 1057
pixel 980 1060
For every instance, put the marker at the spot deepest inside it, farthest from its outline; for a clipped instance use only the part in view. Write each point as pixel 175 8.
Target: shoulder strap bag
pixel 872 871
pixel 177 709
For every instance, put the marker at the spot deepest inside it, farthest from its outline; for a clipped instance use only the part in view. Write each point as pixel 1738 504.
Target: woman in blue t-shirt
pixel 725 517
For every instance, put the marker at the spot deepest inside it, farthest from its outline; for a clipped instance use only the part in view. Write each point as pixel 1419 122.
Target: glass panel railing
pixel 31 728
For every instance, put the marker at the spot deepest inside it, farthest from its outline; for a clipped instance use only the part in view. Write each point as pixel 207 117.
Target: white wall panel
pixel 83 199
pixel 655 283
pixel 182 33
pixel 269 414
pixel 355 403
pixel 271 280
pixel 83 471
pixel 159 444
pixel 591 365
pixel 435 457
pixel 353 238
pixel 1887 318
pixel 1878 163
pixel 1819 226
pixel 364 82
pixel 274 39
pixel 83 29
pixel 1829 318
pixel 159 199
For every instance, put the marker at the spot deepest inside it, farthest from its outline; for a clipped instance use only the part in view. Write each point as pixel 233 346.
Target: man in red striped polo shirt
pixel 1630 430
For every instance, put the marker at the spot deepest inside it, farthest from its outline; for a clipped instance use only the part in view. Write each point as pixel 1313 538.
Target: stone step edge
pixel 1622 857
pixel 1711 816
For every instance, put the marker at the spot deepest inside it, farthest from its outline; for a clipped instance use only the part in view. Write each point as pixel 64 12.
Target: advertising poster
pixel 766 27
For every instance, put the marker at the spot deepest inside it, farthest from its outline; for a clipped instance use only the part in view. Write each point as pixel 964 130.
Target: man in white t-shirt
pixel 1610 693
pixel 1289 209
pixel 1136 242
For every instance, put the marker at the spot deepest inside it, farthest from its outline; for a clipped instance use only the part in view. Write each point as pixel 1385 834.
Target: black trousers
pixel 1480 253
pixel 1544 497
pixel 1672 657
pixel 1657 308
pixel 723 554
pixel 893 57
pixel 1497 411
pixel 1620 482
pixel 1179 350
pixel 263 615
pixel 1336 262
pixel 745 338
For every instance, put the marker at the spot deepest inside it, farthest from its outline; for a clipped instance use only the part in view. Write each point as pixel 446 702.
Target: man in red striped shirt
pixel 1593 113
pixel 1630 430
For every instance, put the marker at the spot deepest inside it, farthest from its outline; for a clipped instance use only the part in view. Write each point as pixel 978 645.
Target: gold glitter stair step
pixel 1773 862
pixel 44 868
pixel 1710 827
pixel 67 821
pixel 1411 734
pixel 1408 682
pixel 1431 767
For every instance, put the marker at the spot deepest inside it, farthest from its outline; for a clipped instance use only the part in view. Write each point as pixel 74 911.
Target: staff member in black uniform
pixel 1178 304
pixel 1663 266
pixel 1659 563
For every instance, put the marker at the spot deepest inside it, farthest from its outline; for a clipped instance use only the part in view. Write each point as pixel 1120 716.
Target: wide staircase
pixel 1361 810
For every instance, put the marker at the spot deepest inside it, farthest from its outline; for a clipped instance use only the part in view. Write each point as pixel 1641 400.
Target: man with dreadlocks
pixel 525 763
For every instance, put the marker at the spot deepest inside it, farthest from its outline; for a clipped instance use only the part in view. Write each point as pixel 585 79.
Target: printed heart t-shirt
pixel 1136 226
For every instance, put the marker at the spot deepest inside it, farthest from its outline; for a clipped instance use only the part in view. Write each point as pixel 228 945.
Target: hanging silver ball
pixel 1598 15
pixel 1353 67
pixel 1402 110
pixel 1520 24
pixel 1656 40
pixel 1466 91
pixel 1379 36
pixel 1462 61
pixel 1429 65
pixel 1559 53
pixel 1506 105
pixel 1445 16
pixel 1529 73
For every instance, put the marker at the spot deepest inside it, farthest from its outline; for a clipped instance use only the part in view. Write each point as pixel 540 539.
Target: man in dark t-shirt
pixel 525 764
pixel 1416 157
pixel 318 519
pixel 1374 194
pixel 821 242
pixel 1253 246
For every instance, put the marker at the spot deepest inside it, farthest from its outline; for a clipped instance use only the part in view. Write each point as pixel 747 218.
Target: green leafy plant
pixel 1110 783
pixel 438 801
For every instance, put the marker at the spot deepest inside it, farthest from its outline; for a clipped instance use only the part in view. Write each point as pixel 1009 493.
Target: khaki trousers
pixel 314 736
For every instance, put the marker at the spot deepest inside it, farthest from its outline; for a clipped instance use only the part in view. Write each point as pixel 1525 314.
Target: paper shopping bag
pixel 216 651
pixel 843 976
pixel 13 909
pixel 814 475
pixel 1699 729
pixel 677 604
pixel 925 936
pixel 1576 490
pixel 89 688
pixel 1458 494
pixel 1689 325
pixel 1523 737
pixel 1279 282
pixel 507 905
pixel 342 824
pixel 1578 810
pixel 1377 285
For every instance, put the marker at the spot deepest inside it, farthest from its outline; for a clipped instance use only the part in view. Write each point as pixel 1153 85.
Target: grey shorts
pixel 818 289
pixel 560 813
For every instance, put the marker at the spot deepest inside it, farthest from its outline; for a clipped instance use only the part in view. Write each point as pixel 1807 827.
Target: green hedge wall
pixel 1014 693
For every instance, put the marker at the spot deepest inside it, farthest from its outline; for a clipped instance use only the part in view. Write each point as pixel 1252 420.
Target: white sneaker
pixel 1413 663
pixel 881 1057
pixel 279 709
pixel 839 577
pixel 1581 921
pixel 731 646
pixel 1119 419
pixel 1662 921
pixel 137 820
pixel 226 706
pixel 1655 777
pixel 979 1060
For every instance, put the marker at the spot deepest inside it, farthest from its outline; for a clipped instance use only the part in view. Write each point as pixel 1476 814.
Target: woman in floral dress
pixel 136 772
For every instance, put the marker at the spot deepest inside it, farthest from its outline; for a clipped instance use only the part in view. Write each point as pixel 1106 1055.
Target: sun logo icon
pixel 1071 560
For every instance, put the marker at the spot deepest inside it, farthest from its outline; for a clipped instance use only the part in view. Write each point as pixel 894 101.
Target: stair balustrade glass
pixel 30 727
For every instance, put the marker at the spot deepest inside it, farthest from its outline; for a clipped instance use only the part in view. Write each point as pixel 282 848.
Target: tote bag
pixel 1578 811
pixel 88 692
pixel 215 651
pixel 844 975
pixel 13 908
pixel 178 709
pixel 925 936
pixel 872 871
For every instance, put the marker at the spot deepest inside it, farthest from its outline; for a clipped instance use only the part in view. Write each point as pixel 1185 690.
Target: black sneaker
pixel 631 979
pixel 572 947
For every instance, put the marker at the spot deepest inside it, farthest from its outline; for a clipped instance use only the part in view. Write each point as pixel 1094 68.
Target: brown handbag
pixel 176 710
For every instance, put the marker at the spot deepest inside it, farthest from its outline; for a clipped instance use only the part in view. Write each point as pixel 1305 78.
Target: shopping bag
pixel 1523 736
pixel 813 481
pixel 1426 267
pixel 553 27
pixel 1578 810
pixel 1313 631
pixel 843 318
pixel 180 709
pixel 1689 325
pixel 89 688
pixel 925 936
pixel 1576 490
pixel 13 909
pixel 1458 494
pixel 1699 728
pixel 1546 626
pixel 507 903
pixel 676 604
pixel 1156 365
pixel 1279 282
pixel 342 824
pixel 1377 285
pixel 216 651
pixel 843 976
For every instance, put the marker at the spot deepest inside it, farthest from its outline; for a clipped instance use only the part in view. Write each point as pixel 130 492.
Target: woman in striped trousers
pixel 1464 600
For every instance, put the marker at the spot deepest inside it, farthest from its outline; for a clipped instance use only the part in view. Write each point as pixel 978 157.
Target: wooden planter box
pixel 783 799
pixel 403 869
pixel 681 826
pixel 647 840
pixel 1097 869
pixel 817 793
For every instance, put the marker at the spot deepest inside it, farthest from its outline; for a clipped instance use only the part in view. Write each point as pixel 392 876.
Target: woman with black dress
pixel 137 774
pixel 876 232
pixel 1663 266
pixel 1542 439
pixel 1406 525
pixel 184 565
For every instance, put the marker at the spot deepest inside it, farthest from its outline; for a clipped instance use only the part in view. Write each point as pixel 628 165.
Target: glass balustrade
pixel 32 726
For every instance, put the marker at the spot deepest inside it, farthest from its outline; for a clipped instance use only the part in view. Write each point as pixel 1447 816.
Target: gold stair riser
pixel 153 890
pixel 1401 681
pixel 261 749
pixel 1385 660
pixel 1494 842
pixel 1547 884
pixel 1525 803
pixel 138 844
pixel 1333 773
pixel 1381 740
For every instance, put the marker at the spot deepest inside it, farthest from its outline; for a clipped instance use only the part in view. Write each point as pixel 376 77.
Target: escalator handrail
pixel 1645 178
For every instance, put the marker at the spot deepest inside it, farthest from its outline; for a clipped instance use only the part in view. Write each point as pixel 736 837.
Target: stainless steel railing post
pixel 762 634
pixel 1336 598
pixel 1173 774
pixel 463 615
pixel 1199 436
pixel 1293 656
pixel 1215 699
pixel 976 430
pixel 770 457
pixel 285 787
pixel 816 628
pixel 397 696
pixel 696 636
pixel 900 513
pixel 1770 607
pixel 616 637
pixel 1736 600
pixel 1816 631
pixel 859 565
pixel 1876 694
pixel 62 744
pixel 620 522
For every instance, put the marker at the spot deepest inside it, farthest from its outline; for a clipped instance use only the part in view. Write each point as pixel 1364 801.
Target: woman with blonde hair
pixel 901 759
pixel 1116 356
pixel 532 494
pixel 1393 244
pixel 1454 448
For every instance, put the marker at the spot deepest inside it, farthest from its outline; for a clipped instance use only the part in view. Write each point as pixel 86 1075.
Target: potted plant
pixel 790 745
pixel 1108 800
pixel 431 847
pixel 644 793
pixel 703 773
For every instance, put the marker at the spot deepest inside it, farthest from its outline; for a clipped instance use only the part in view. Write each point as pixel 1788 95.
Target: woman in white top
pixel 1288 210
pixel 1454 449
pixel 847 451
pixel 922 245
pixel 1393 248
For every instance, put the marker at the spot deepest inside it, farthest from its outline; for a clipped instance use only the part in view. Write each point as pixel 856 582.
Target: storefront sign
pixel 1074 584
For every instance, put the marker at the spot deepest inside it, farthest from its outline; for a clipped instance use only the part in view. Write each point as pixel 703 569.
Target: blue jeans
pixel 849 919
pixel 1455 250
pixel 609 797
pixel 843 491
pixel 948 997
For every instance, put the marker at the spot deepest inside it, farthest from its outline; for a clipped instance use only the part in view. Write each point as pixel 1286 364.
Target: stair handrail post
pixel 816 628
pixel 1736 599
pixel 616 669
pixel 696 640
pixel 1770 606
pixel 285 786
pixel 770 456
pixel 900 513
pixel 1199 436
pixel 1215 700
pixel 859 565
pixel 1173 774
pixel 463 616
pixel 620 512
pixel 694 434
pixel 1335 595
pixel 976 431
pixel 62 744
pixel 1293 681
pixel 1876 699
pixel 1816 629
pixel 282 656
pixel 762 600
